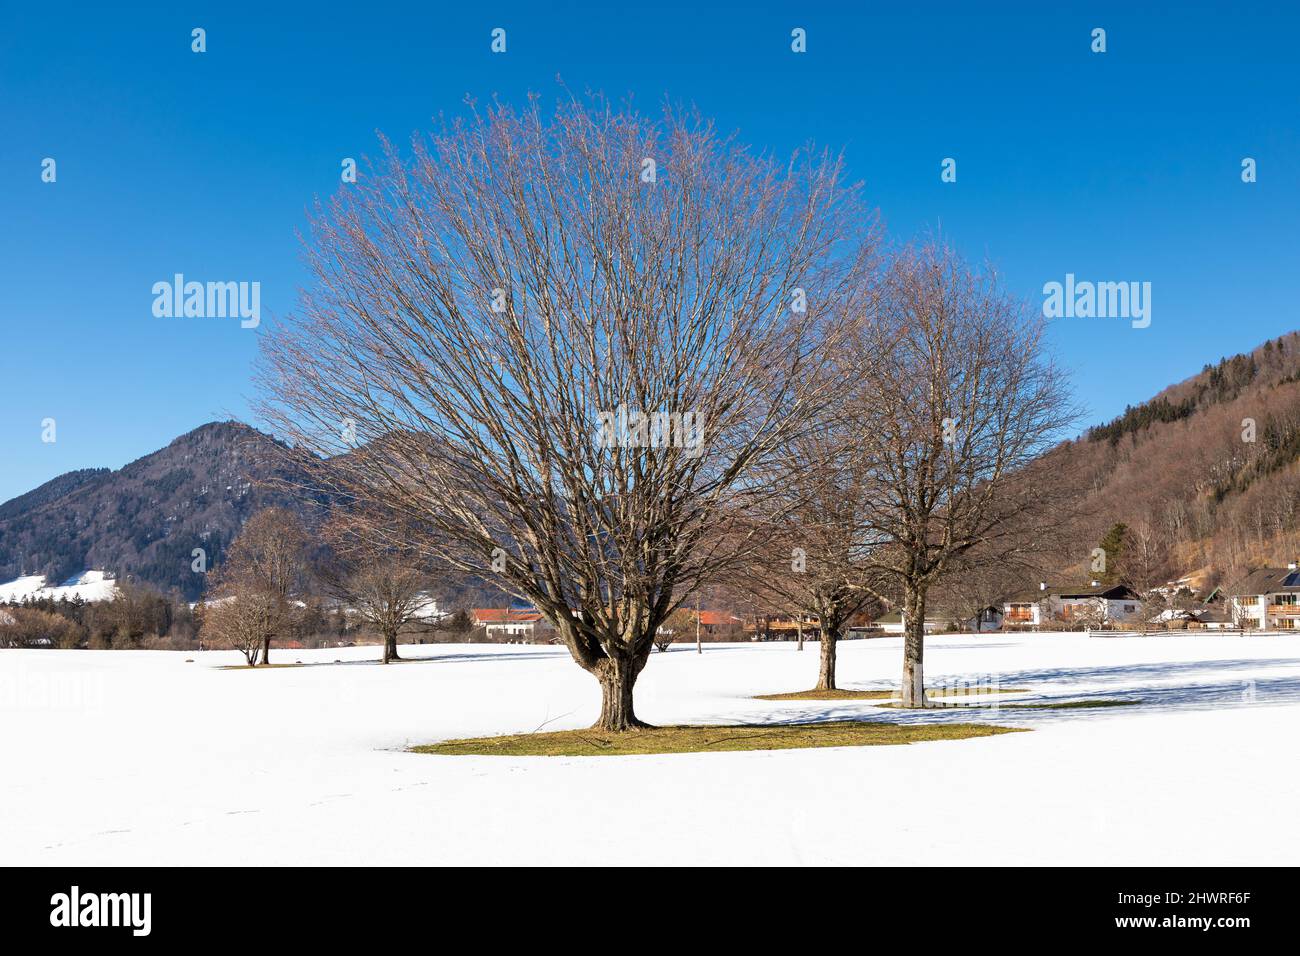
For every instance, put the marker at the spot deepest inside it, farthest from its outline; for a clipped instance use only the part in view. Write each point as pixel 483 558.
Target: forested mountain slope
pixel 1205 476
pixel 145 520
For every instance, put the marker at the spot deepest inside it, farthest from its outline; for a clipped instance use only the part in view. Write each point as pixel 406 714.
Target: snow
pixel 428 609
pixel 89 586
pixel 140 757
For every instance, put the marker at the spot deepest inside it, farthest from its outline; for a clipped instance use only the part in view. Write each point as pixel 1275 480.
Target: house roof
pixel 1114 592
pixel 494 615
pixel 718 618
pixel 1267 581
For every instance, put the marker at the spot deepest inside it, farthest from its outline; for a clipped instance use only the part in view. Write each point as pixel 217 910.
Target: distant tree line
pixel 1136 418
pixel 1216 384
pixel 273 587
pixel 140 617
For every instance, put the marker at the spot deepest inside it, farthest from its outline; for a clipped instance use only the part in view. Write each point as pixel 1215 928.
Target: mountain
pixel 144 520
pixel 1204 479
pixel 1204 476
pixel 53 489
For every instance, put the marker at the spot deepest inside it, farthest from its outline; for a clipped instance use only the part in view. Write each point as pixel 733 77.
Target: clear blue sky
pixel 1115 166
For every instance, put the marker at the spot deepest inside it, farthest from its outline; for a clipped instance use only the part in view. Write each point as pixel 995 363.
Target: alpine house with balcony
pixel 1267 598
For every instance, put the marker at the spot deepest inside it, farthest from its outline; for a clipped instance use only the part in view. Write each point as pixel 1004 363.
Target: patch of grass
pixel 831 695
pixel 259 667
pixel 697 739
pixel 886 694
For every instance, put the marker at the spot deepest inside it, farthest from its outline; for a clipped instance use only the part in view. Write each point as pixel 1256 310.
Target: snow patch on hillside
pixel 89 586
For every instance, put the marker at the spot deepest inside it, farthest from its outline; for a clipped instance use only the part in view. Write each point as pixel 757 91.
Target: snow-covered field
pixel 114 757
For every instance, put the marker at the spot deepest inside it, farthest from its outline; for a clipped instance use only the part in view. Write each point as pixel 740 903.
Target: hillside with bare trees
pixel 1204 477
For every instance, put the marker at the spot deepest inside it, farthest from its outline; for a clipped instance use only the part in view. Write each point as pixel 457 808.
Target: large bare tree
pixel 246 620
pixel 561 346
pixel 392 598
pixel 382 586
pixel 263 568
pixel 952 425
pixel 814 559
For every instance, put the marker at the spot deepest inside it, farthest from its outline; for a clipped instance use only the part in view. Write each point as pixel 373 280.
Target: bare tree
pixel 559 348
pixel 951 425
pixel 392 598
pixel 1151 610
pixel 245 619
pixel 380 584
pixel 263 567
pixel 1083 614
pixel 1145 556
pixel 816 537
pixel 676 624
pixel 988 577
pixel 32 627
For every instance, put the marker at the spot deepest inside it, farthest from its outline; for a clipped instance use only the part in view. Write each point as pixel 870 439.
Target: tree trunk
pixel 914 648
pixel 617 677
pixel 800 625
pixel 390 650
pixel 385 656
pixel 266 650
pixel 829 645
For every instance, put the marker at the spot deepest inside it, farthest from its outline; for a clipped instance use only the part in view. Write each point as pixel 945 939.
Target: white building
pixel 509 624
pixel 1094 603
pixel 939 618
pixel 1267 599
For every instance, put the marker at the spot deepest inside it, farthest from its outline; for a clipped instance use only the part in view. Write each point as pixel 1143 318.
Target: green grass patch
pixel 259 667
pixel 831 695
pixel 886 694
pixel 697 739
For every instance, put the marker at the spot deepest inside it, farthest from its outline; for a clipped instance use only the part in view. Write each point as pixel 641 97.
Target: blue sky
pixel 1122 166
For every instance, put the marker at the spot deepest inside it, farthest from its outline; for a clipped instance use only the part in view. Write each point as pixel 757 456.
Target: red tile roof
pixel 717 618
pixel 493 615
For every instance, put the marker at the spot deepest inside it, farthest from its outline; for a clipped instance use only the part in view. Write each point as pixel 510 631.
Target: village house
pixel 892 623
pixel 1213 619
pixel 1199 617
pixel 716 626
pixel 940 618
pixel 789 627
pixel 1267 599
pixel 1095 603
pixel 512 625
pixel 782 627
